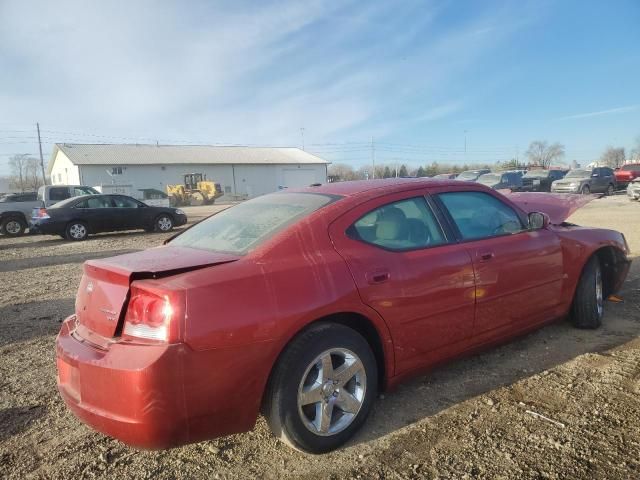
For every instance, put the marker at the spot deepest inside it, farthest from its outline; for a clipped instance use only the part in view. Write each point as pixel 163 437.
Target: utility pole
pixel 302 133
pixel 44 177
pixel 373 159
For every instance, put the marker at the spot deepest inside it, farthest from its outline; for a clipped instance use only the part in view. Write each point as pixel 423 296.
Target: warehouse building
pixel 243 172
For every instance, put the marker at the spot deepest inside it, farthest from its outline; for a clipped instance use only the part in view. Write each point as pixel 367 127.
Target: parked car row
pixel 76 211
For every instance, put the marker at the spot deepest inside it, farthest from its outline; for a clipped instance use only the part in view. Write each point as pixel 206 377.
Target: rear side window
pixel 59 193
pixel 479 215
pixel 95 202
pixel 124 202
pixel 404 225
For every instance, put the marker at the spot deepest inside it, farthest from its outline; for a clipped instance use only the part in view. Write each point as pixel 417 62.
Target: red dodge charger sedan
pixel 304 304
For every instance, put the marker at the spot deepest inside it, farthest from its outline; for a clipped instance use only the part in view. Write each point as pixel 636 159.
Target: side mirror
pixel 538 220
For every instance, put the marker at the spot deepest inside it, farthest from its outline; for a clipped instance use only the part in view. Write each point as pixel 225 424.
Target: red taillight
pixel 154 315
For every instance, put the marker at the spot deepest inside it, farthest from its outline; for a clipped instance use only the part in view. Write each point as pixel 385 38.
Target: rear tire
pixel 587 309
pixel 610 190
pixel 163 223
pixel 76 231
pixel 585 190
pixel 322 388
pixel 13 227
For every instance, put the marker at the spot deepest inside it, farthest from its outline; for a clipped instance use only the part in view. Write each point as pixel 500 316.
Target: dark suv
pixel 539 180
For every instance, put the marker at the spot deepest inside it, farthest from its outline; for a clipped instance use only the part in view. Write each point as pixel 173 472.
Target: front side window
pixel 480 215
pixel 404 225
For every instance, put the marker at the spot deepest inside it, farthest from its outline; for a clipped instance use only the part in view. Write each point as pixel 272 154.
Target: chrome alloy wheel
pixel 13 227
pixel 331 392
pixel 599 299
pixel 164 224
pixel 78 231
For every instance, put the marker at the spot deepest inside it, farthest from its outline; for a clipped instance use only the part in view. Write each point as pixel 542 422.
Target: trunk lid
pixel 559 206
pixel 104 288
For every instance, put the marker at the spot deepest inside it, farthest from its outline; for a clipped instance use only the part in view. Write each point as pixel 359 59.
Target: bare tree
pixel 542 154
pixel 613 157
pixel 635 152
pixel 342 172
pixel 24 173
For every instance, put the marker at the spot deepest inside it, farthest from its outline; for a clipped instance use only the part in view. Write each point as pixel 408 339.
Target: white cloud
pixel 234 72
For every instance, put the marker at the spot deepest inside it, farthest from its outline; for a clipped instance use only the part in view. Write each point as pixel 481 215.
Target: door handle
pixel 486 256
pixel 380 276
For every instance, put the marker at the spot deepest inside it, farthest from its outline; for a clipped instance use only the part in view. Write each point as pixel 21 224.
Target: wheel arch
pixel 358 322
pixel 611 259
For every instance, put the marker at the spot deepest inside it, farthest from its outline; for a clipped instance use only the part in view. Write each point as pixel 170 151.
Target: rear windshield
pixel 489 178
pixel 537 173
pixel 468 175
pixel 244 227
pixel 578 174
pixel 631 166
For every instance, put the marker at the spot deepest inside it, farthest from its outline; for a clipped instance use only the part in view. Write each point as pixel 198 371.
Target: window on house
pixel 116 170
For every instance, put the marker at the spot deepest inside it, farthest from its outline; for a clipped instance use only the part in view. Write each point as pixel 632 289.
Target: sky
pixel 418 80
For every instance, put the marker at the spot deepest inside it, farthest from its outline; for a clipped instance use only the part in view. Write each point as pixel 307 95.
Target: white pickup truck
pixel 16 208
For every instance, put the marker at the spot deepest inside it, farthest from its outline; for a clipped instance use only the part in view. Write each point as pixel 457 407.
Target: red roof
pixel 387 184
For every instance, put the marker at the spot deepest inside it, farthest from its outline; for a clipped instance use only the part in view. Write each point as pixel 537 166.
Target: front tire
pixel 76 231
pixel 587 309
pixel 13 227
pixel 322 388
pixel 585 190
pixel 164 223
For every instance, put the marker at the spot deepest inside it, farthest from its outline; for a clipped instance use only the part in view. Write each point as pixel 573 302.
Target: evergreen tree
pixel 387 172
pixel 403 171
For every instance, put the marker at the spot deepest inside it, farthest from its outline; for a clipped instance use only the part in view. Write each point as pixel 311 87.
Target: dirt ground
pixel 468 419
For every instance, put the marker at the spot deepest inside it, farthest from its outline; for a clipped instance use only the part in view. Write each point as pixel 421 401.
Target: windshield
pixel 245 226
pixel 470 175
pixel 537 173
pixel 631 166
pixel 489 179
pixel 578 174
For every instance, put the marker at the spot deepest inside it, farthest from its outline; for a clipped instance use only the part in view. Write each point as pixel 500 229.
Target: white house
pixel 249 171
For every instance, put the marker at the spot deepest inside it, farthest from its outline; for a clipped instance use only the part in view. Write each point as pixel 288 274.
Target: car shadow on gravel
pixel 463 379
pixel 17 419
pixel 50 260
pixel 26 321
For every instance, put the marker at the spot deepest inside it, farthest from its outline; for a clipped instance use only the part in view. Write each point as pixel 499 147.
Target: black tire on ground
pixel 76 231
pixel 587 309
pixel 300 368
pixel 610 190
pixel 163 223
pixel 13 227
pixel 585 190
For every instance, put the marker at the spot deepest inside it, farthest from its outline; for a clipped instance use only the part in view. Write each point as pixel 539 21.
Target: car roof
pixel 387 185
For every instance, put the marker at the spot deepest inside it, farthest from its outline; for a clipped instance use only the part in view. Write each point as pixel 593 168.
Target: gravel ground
pixel 469 419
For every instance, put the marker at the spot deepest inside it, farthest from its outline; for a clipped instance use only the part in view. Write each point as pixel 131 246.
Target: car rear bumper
pixel 152 396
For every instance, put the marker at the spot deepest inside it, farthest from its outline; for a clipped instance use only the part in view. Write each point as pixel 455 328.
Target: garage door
pixel 298 177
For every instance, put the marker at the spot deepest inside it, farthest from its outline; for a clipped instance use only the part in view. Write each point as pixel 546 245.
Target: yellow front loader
pixel 195 190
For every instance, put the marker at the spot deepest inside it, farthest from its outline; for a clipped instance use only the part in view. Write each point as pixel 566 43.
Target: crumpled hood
pixel 559 206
